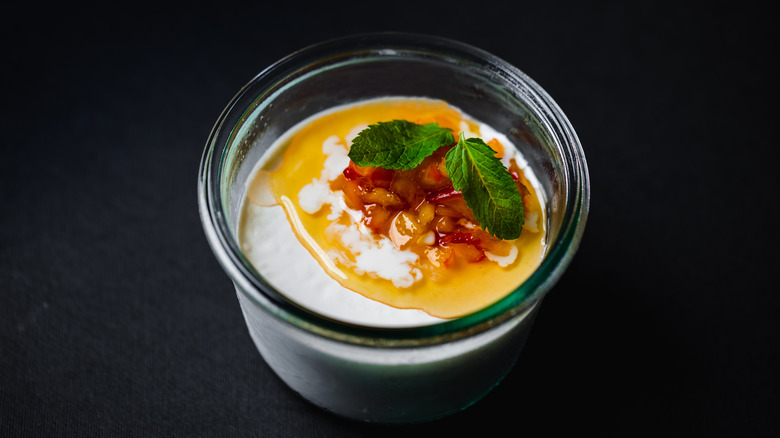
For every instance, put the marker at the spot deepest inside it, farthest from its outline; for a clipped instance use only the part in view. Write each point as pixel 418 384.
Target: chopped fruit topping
pixel 420 210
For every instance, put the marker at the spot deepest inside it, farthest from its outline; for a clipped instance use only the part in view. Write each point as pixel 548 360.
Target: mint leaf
pixel 487 187
pixel 399 144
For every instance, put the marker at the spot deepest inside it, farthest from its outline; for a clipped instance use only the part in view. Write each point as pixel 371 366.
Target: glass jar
pixel 391 375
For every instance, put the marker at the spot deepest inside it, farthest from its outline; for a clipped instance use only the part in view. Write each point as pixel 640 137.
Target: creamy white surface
pixel 272 247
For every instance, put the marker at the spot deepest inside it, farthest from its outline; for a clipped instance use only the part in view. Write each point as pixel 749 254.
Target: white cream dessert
pixel 381 248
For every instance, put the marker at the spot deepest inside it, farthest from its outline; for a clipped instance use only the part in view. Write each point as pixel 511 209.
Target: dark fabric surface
pixel 116 319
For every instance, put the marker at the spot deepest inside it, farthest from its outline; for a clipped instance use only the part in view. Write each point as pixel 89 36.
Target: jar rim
pixel 523 297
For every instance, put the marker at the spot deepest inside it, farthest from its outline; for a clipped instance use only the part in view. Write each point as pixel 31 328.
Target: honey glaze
pixel 388 263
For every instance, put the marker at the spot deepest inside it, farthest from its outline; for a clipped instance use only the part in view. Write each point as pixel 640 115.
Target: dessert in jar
pixel 376 246
pixel 338 267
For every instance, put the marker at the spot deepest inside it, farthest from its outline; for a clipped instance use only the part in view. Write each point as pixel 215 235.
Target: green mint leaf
pixel 487 187
pixel 398 145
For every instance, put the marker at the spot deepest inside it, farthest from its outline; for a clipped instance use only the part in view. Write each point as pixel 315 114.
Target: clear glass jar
pixel 391 375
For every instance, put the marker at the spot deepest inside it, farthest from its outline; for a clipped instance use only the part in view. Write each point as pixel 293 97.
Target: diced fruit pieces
pixel 444 224
pixel 467 252
pixel 426 212
pixel 383 197
pixel 404 229
pixel 352 194
pixel 420 210
pixel 440 257
pixel 378 218
pixel 443 194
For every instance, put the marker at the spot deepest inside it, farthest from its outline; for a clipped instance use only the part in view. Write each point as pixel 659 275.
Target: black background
pixel 116 319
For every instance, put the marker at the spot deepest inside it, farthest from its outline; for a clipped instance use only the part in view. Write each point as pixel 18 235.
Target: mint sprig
pixel 398 145
pixel 486 185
